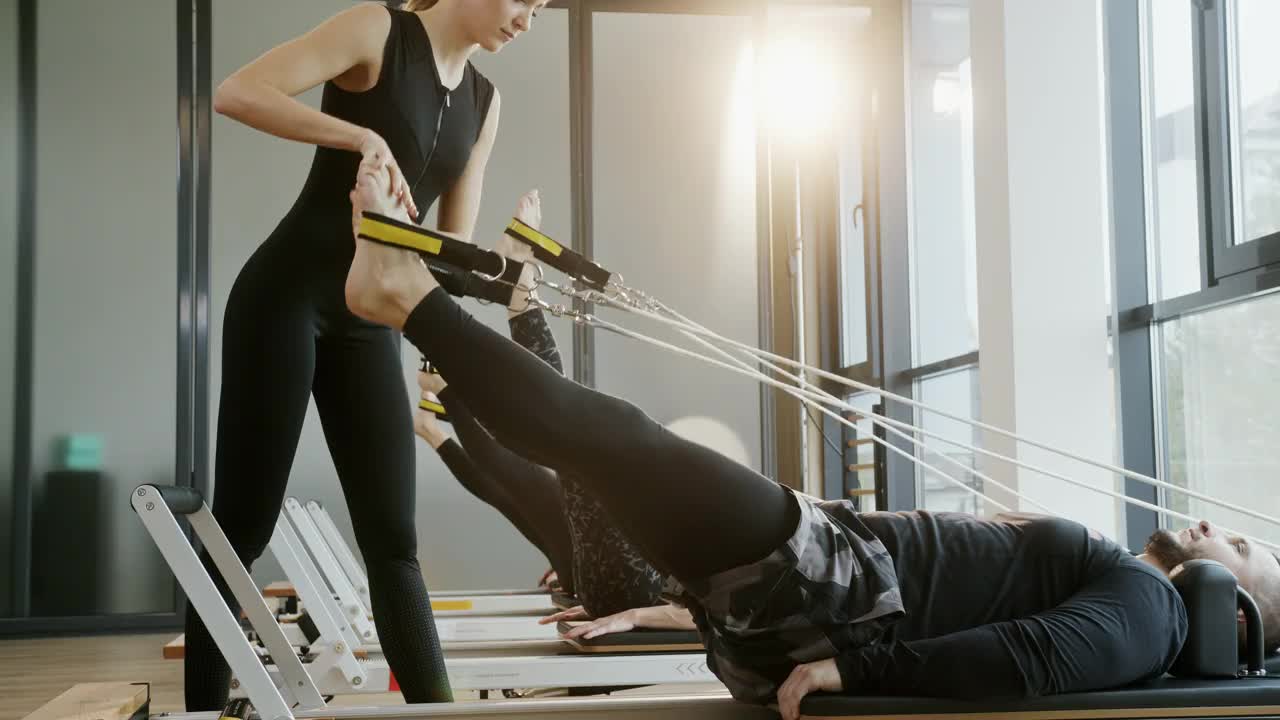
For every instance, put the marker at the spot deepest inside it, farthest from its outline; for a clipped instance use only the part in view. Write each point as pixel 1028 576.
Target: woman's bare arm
pixel 261 94
pixel 346 48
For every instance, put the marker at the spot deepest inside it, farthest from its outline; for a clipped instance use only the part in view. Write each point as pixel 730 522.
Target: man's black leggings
pixel 691 511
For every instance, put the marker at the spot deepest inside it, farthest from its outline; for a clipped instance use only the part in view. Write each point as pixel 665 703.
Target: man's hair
pixel 416 5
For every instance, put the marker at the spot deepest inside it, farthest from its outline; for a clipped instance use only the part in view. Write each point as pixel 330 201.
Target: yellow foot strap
pixel 434 408
pixel 560 257
pixel 462 268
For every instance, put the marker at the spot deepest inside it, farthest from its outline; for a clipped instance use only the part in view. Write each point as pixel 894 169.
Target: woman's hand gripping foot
pixel 384 283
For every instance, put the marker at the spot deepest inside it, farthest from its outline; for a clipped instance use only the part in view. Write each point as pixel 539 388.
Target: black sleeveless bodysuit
pixel 288 336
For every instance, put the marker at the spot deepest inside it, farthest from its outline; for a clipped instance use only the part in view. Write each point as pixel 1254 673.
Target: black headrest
pixel 1213 601
pixel 1208 591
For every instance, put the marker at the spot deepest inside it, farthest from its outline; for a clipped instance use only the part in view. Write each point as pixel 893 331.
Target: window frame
pixel 1229 272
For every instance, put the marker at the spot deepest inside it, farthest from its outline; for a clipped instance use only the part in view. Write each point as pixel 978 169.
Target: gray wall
pixel 462 542
pixel 105 263
pixel 8 282
pixel 674 192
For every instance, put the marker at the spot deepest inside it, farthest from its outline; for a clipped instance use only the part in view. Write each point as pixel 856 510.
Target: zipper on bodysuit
pixel 435 140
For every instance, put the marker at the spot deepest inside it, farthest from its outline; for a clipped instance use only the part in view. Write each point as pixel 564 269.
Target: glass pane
pixel 1256 117
pixel 853 273
pixel 679 222
pixel 9 184
pixel 943 239
pixel 840 32
pixel 1171 173
pixel 956 393
pixel 105 334
pixel 1222 410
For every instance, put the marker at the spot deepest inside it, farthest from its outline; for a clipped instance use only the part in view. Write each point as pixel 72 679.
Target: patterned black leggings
pixel 553 511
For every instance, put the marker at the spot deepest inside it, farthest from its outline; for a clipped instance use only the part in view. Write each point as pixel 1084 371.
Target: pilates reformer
pixel 499 634
pixel 337 662
pixel 1207 682
pixel 469 636
pixel 594 286
pixel 337 565
pixel 330 577
pixel 1211 594
pixel 355 573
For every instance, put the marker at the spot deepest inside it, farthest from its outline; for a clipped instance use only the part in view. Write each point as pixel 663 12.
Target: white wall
pixel 674 205
pixel 9 185
pixel 462 543
pixel 1041 213
pixel 104 356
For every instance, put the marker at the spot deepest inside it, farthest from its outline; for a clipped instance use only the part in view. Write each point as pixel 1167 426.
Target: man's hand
pixel 619 622
pixel 574 613
pixel 624 621
pixel 549 579
pixel 807 678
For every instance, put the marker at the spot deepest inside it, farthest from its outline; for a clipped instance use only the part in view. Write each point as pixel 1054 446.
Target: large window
pixel 97 376
pixel 954 392
pixel 943 241
pixel 1171 170
pixel 1197 333
pixel 9 178
pixel 1253 57
pixel 1222 409
pixel 943 268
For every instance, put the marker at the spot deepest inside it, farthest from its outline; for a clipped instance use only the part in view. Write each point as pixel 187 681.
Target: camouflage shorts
pixel 830 587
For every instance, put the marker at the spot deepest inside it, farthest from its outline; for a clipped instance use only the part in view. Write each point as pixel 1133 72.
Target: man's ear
pixel 1240 617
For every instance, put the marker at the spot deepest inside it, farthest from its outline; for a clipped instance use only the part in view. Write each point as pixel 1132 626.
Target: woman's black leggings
pixel 691 511
pixel 288 337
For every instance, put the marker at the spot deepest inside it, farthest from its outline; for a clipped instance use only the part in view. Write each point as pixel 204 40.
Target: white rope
pixel 613 303
pixel 606 325
pixel 770 381
pixel 874 419
pixel 827 398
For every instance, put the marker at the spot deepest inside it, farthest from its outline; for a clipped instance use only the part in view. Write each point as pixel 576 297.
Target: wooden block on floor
pixel 95 701
pixel 279 589
pixel 176 649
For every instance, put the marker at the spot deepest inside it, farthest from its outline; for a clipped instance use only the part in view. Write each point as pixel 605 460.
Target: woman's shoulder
pixel 479 79
pixel 482 88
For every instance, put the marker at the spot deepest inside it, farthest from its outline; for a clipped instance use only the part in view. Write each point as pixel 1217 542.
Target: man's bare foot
pixel 431 383
pixel 529 209
pixel 384 283
pixel 427 426
pixel 529 212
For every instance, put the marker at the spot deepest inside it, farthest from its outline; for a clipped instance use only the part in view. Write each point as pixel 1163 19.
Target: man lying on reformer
pixel 588 554
pixel 792 595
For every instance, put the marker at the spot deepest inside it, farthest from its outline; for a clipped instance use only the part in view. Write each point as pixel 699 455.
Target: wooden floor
pixel 33 672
